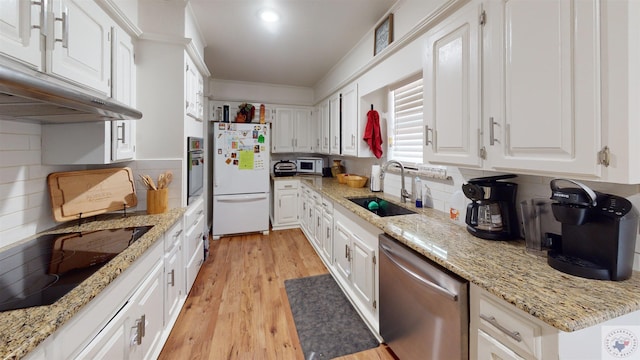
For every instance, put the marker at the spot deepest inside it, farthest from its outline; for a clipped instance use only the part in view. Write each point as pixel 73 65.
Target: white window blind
pixel 406 145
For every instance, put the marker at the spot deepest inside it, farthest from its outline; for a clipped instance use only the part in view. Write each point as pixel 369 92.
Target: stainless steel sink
pixel 380 207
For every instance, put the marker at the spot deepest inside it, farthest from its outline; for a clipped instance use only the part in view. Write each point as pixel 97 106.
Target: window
pixel 406 126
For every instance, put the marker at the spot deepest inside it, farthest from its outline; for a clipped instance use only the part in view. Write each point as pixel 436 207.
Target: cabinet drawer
pixel 193 214
pixel 327 206
pixel 193 238
pixel 173 236
pixel 193 267
pixel 509 327
pixel 286 184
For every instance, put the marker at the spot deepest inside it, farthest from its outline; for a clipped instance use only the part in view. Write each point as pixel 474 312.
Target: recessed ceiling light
pixel 269 15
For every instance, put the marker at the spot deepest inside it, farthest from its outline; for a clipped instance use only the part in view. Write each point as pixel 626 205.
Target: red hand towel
pixel 372 133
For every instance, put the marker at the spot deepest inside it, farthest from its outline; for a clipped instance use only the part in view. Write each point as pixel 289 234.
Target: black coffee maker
pixel 598 232
pixel 492 213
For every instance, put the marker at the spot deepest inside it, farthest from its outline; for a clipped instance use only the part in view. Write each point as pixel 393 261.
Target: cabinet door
pixel 362 265
pixel 193 89
pixel 452 90
pixel 546 108
pixel 327 237
pixel 350 136
pixel 303 127
pixel 342 250
pixel 325 126
pixel 284 131
pixel 303 204
pixel 147 319
pixel 111 342
pixel 491 349
pixel 174 277
pixel 20 31
pixel 124 89
pixel 81 51
pixel 287 206
pixel 317 223
pixel 334 125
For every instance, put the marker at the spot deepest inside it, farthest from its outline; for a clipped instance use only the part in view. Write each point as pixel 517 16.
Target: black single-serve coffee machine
pixel 598 232
pixel 492 213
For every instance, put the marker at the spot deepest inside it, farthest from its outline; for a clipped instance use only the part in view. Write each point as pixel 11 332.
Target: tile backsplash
pixel 25 207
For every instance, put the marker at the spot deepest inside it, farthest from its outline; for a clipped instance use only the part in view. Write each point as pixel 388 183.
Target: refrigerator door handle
pixel 241 198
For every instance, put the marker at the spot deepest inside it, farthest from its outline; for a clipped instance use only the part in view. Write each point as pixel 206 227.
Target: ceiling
pixel 310 38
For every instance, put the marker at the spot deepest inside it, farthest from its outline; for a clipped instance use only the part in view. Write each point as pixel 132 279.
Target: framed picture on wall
pixel 383 35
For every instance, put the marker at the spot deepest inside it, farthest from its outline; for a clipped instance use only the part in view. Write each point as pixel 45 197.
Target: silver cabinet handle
pixel 41 25
pixel 172 282
pixel 120 130
pixel 493 321
pixel 65 28
pixel 140 329
pixel 492 137
pixel 175 236
pixel 427 130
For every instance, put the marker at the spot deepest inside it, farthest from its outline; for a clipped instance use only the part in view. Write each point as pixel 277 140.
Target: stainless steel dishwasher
pixel 424 308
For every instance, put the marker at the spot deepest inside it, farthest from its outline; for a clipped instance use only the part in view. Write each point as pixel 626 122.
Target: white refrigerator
pixel 240 178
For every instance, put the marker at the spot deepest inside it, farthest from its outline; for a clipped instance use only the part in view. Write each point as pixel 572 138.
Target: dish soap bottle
pixel 417 191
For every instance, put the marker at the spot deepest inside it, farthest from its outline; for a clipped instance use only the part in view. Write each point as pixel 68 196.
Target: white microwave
pixel 310 165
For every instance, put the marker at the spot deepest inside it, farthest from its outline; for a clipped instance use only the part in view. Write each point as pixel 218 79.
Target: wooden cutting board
pixel 90 192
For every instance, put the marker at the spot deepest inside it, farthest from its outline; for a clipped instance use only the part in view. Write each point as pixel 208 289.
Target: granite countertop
pixel 23 329
pixel 503 268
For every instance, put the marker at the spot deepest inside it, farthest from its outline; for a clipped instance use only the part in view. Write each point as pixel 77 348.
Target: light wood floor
pixel 238 307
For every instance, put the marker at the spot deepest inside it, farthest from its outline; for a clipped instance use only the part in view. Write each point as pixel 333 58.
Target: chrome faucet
pixel 404 195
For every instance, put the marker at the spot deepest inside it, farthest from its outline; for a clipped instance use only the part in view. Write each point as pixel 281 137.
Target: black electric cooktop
pixel 42 270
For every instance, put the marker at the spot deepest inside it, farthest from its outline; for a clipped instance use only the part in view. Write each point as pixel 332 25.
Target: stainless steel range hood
pixel 27 94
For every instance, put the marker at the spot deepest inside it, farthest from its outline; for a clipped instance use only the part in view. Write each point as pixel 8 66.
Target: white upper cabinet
pixel 79 44
pixel 620 91
pixel 68 38
pixel 543 86
pixel 452 90
pixel 99 142
pixel 292 130
pixel 349 114
pixel 303 127
pixel 194 91
pixel 123 136
pixel 334 124
pixel 324 126
pixel 540 87
pixel 284 132
pixel 20 24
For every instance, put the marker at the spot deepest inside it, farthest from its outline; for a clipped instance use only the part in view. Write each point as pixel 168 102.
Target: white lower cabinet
pixel 112 342
pixel 146 321
pixel 499 331
pixel 491 349
pixel 355 253
pixel 284 204
pixel 174 270
pixel 326 237
pixel 193 242
pixel 348 245
pixel 133 316
pixel 136 330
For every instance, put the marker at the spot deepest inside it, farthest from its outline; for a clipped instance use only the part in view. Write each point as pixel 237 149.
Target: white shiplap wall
pixel 25 208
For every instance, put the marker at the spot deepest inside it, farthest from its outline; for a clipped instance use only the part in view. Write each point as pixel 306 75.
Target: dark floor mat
pixel 328 326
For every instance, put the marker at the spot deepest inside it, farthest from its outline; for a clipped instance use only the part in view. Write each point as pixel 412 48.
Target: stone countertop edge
pixel 503 268
pixel 22 330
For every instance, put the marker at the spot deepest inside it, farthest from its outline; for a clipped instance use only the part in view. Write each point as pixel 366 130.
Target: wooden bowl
pixel 356 181
pixel 342 178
